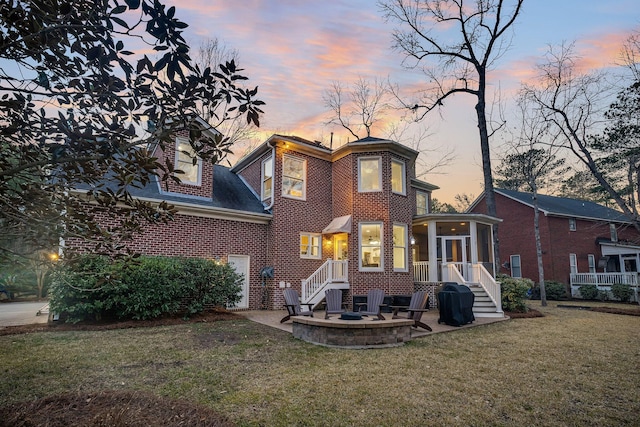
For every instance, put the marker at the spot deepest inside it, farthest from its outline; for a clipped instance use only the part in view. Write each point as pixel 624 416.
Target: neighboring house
pixel 353 218
pixel 582 242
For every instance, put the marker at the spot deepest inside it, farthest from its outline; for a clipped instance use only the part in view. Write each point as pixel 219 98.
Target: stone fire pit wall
pixel 364 333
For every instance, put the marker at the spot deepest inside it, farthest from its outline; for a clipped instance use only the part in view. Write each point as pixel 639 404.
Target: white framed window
pixel 369 174
pixel 613 232
pixel 266 191
pixel 398 181
pixel 573 263
pixel 572 224
pixel 370 236
pixel 185 155
pixel 294 177
pixel 422 203
pixel 516 268
pixel 310 245
pixel 400 247
pixel 592 263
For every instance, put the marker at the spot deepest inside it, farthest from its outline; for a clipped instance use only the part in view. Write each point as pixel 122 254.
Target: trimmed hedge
pixel 98 288
pixel 514 293
pixel 622 292
pixel 555 291
pixel 589 292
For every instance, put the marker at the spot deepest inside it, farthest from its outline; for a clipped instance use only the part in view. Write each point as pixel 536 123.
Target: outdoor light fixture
pixel 413 240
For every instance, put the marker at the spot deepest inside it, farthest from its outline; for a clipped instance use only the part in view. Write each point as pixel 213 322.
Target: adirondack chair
pixel 334 302
pixel 414 311
pixel 292 304
pixel 375 298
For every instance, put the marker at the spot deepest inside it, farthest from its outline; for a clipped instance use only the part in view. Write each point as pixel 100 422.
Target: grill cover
pixel 455 303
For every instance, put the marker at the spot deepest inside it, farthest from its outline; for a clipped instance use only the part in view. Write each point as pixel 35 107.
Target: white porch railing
pixel 480 275
pixel 421 271
pixel 329 272
pixel 604 279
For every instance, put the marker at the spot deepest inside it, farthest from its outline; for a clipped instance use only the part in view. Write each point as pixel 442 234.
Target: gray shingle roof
pixel 563 206
pixel 229 192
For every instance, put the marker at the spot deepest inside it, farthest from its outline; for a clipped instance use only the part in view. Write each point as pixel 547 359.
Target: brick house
pixel 353 218
pixel 582 242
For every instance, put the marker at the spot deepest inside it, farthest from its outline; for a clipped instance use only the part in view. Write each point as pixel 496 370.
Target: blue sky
pixel 293 50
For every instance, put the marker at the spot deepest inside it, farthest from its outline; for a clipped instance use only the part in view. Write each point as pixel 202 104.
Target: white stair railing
pixel 329 272
pixel 485 279
pixel 451 273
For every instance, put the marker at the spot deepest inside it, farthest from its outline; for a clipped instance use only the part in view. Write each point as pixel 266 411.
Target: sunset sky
pixel 293 50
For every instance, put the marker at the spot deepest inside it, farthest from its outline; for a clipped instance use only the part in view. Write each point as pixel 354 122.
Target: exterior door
pixel 340 253
pixel 240 264
pixel 455 252
pixel 341 247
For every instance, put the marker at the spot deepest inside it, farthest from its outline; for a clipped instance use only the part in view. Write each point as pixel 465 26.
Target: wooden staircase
pixel 483 306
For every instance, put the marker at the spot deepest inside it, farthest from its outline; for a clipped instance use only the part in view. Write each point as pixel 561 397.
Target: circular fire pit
pixel 351 315
pixel 364 333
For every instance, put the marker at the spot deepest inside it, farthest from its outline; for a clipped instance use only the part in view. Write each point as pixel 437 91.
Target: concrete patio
pixel 272 318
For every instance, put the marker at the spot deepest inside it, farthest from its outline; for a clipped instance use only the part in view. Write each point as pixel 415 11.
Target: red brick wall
pixel 292 216
pixel 516 236
pixel 191 236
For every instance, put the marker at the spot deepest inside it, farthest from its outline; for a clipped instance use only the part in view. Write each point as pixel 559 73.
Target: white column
pixel 433 252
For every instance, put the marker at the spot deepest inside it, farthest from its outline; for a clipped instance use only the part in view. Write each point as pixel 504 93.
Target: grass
pixel 571 367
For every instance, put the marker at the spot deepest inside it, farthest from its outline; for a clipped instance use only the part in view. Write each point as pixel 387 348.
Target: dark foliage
pixel 98 288
pixel 77 104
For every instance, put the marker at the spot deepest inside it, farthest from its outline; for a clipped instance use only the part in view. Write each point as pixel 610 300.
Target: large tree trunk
pixel 536 228
pixel 489 194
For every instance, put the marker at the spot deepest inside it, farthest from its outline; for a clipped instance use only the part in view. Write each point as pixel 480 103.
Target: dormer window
pixel 398 181
pixel 185 155
pixel 369 174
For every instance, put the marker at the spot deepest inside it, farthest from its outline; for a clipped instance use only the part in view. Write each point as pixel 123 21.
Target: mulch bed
pixel 110 408
pixel 209 316
pixel 529 314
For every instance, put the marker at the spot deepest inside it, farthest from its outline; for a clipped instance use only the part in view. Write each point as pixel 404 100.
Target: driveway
pixel 22 313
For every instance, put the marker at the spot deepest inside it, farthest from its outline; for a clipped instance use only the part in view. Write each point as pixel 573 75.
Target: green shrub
pixel 554 291
pixel 622 292
pixel 96 288
pixel 514 292
pixel 77 291
pixel 589 292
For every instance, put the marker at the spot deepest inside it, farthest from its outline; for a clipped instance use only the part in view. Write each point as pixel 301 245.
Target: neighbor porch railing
pixel 604 279
pixel 329 272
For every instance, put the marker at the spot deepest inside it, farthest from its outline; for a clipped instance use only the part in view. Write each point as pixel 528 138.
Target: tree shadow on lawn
pixel 110 408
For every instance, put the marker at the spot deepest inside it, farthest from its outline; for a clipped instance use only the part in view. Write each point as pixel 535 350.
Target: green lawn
pixel 571 367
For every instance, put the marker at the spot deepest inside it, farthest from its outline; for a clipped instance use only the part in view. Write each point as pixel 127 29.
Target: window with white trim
pixel 266 191
pixel 310 245
pixel 369 174
pixel 572 224
pixel 613 232
pixel 294 177
pixel 370 234
pixel 573 263
pixel 422 200
pixel 400 247
pixel 592 263
pixel 188 162
pixel 516 268
pixel 398 181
